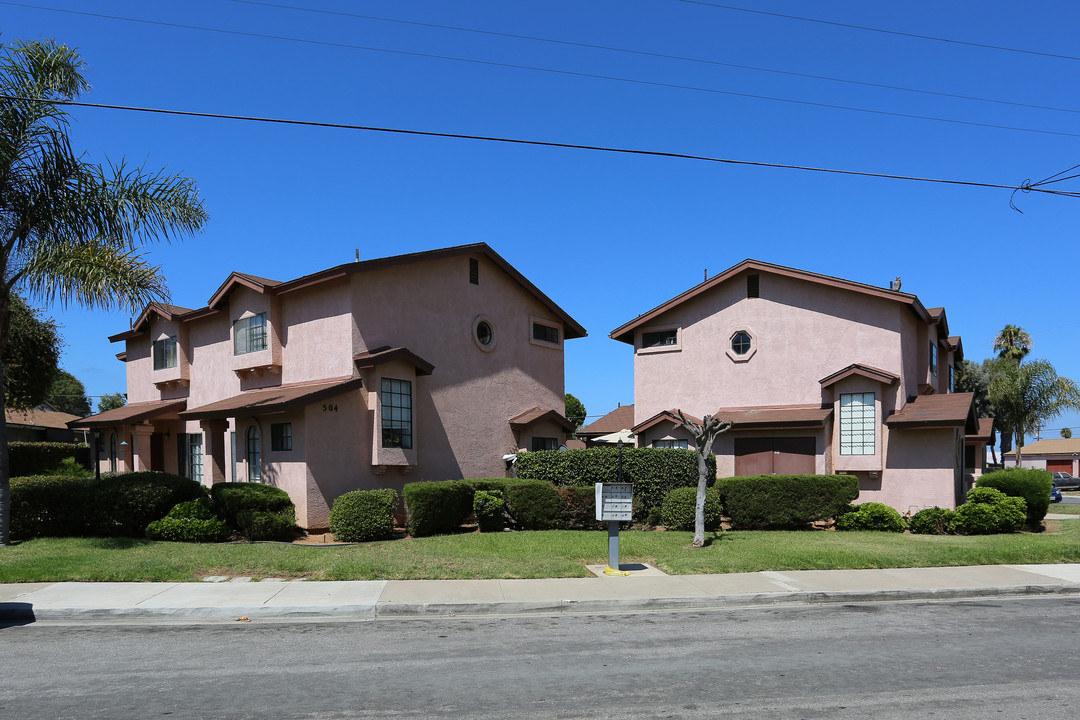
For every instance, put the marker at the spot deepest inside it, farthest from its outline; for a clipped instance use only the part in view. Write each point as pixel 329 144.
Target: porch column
pixel 214 434
pixel 140 453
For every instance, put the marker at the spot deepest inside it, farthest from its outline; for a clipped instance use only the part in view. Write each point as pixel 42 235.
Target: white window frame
pixel 858 423
pixel 164 352
pixel 250 334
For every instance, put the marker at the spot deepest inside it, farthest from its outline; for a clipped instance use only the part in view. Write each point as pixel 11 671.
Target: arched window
pixel 254 454
pixel 112 452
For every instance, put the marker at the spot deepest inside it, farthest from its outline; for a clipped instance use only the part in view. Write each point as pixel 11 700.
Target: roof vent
pixel 753 288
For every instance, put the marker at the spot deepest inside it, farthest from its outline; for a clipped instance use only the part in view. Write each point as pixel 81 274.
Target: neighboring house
pixel 618 420
pixel 817 375
pixel 428 366
pixel 1053 454
pixel 41 424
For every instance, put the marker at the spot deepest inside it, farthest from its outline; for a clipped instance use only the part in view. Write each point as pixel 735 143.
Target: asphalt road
pixel 1017 658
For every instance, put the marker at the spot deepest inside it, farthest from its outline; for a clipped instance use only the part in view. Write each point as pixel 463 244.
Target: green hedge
pixel 35 458
pixel 785 501
pixel 580 505
pixel 1031 484
pixel 438 507
pixel 191 521
pixel 259 512
pixel 680 506
pixel 871 516
pixel 364 515
pixel 654 472
pixel 534 504
pixel 488 506
pixel 111 506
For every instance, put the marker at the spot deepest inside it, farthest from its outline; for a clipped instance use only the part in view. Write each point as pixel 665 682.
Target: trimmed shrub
pixel 580 508
pixel 200 509
pixel 364 515
pixel 989 511
pixel 189 525
pixel 488 509
pixel 871 516
pixel 654 472
pixel 930 521
pixel 1028 483
pixel 260 525
pixel 37 458
pixel 785 501
pixel 45 506
pixel 259 512
pixel 677 512
pixel 439 507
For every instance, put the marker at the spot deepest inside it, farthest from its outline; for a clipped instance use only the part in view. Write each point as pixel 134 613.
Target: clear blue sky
pixel 606 236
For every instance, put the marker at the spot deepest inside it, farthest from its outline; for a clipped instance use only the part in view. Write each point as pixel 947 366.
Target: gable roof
pixel 37 418
pixel 867 371
pixel 534 415
pixel 385 354
pixel 625 332
pixel 571 328
pixel 938 411
pixel 1049 446
pixel 131 413
pixel 621 418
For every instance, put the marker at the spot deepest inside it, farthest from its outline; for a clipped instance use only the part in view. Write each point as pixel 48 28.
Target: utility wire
pixel 881 30
pixel 555 71
pixel 542 143
pixel 665 56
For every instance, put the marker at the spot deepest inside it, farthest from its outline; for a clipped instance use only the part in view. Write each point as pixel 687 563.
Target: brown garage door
pixel 1059 465
pixel 775 456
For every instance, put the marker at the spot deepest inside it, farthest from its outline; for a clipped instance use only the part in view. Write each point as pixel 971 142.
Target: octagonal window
pixel 741 342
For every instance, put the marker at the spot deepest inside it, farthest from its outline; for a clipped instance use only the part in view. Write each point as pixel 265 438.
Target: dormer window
pixel 164 351
pixel 249 334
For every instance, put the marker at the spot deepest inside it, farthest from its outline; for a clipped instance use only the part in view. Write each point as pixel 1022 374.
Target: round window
pixel 740 342
pixel 484 334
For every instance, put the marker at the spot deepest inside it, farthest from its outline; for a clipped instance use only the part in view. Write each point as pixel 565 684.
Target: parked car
pixel 1065 481
pixel 1055 495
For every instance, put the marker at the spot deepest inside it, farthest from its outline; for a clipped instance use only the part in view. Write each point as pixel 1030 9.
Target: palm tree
pixel 1066 433
pixel 1012 343
pixel 1026 396
pixel 72 231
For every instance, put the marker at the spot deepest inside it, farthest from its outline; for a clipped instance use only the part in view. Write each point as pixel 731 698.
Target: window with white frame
pixel 680 444
pixel 545 443
pixel 164 353
pixel 397 427
pixel 254 454
pixel 281 436
pixel 249 334
pixel 857 424
pixel 189 447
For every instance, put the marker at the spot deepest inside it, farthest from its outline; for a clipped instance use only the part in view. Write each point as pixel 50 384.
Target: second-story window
pixel 545 333
pixel 857 424
pixel 952 379
pixel 249 334
pixel 397 423
pixel 933 358
pixel 165 353
pixel 659 338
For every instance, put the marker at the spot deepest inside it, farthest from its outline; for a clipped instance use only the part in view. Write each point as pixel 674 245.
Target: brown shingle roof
pixel 671 416
pixel 266 401
pixel 621 418
pixel 1049 446
pixel 985 432
pixel 776 418
pixel 867 371
pixel 130 414
pixel 385 354
pixel 40 418
pixel 939 410
pixel 535 415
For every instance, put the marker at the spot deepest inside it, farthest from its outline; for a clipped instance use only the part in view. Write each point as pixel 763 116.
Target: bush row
pixel 760 502
pixel 36 458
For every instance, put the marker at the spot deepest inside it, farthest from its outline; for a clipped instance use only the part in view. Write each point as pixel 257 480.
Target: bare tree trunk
pixel 5 467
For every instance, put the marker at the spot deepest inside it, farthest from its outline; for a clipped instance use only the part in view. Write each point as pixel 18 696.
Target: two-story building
pixel 816 374
pixel 429 366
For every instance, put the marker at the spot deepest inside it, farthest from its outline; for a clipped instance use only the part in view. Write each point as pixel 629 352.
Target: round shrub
pixel 188 529
pixel 200 509
pixel 872 516
pixel 123 505
pixel 534 505
pixel 437 507
pixel 488 509
pixel 989 511
pixel 1031 484
pixel 260 525
pixel 364 515
pixel 930 521
pixel 677 512
pixel 232 498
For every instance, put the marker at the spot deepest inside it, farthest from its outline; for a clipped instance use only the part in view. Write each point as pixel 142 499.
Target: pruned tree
pixel 703 434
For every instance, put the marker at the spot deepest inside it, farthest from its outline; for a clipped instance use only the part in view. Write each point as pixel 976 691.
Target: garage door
pixel 775 456
pixel 1059 465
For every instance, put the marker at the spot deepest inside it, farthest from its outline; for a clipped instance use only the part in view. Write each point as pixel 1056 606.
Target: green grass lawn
pixel 556 553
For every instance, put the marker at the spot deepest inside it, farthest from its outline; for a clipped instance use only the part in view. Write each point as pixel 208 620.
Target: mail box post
pixel 614 503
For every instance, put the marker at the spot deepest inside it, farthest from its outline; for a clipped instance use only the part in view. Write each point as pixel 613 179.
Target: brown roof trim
pixel 877 374
pixel 168 312
pixel 625 332
pixel 385 354
pixel 938 411
pixel 776 418
pixel 268 401
pixel 985 433
pixel 536 415
pixel 621 418
pixel 130 414
pixel 122 356
pixel 671 416
pixel 35 418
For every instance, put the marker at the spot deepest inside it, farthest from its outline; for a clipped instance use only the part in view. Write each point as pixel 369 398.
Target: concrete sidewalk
pixel 368 600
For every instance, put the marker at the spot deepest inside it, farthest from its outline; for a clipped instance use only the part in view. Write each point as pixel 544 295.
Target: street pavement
pixel 647 589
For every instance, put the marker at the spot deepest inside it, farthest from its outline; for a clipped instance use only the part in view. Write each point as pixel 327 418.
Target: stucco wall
pixel 921 470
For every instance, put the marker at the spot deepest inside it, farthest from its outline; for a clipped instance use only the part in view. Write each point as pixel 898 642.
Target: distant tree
pixel 31 356
pixel 575 411
pixel 111 401
pixel 1066 433
pixel 1027 395
pixel 975 378
pixel 68 395
pixel 703 433
pixel 1012 343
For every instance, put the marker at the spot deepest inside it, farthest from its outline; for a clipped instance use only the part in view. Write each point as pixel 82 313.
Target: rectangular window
pixel 543 443
pixel 933 358
pixel 249 334
pixel 164 353
pixel 857 424
pixel 474 271
pixel 952 379
pixel 659 338
pixel 280 436
pixel 545 333
pixel 396 413
pixel 189 451
pixel 681 444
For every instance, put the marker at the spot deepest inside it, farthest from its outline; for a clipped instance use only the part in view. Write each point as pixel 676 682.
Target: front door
pixel 157 452
pixel 775 456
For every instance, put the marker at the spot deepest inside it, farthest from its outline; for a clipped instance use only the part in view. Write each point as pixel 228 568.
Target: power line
pixel 899 33
pixel 571 73
pixel 542 143
pixel 665 56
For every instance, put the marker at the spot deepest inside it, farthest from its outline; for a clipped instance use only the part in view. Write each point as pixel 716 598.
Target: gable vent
pixel 752 286
pixel 474 271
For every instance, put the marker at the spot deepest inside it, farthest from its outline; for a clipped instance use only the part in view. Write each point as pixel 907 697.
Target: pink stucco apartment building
pixel 817 375
pixel 429 366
